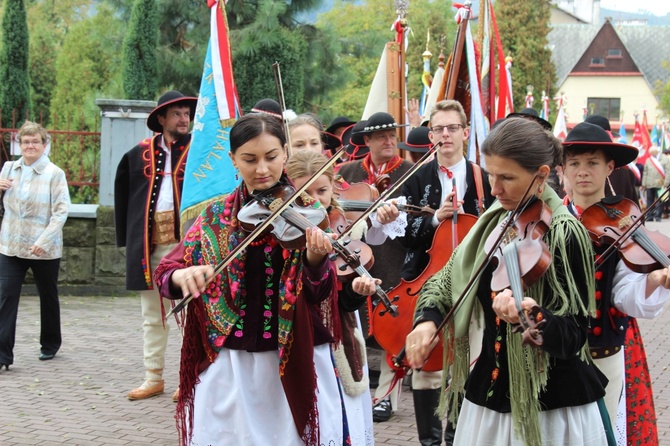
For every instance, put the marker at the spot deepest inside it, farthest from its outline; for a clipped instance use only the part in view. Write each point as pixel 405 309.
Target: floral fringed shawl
pixel 528 370
pixel 213 316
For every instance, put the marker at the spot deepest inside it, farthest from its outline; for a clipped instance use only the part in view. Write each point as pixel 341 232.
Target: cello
pixel 389 332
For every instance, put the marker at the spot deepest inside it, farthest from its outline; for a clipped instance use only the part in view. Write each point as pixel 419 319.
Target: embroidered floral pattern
pixel 214 234
pixel 496 358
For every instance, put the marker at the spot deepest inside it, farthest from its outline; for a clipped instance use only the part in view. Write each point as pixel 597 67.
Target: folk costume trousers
pixel 153 310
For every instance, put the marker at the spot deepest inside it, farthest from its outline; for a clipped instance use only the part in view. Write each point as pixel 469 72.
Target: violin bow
pixel 454 216
pixel 630 231
pixel 261 227
pixel 387 193
pixel 509 222
pixel 282 103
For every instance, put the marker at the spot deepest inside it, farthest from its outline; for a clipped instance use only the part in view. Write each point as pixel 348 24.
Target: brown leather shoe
pixel 175 395
pixel 147 390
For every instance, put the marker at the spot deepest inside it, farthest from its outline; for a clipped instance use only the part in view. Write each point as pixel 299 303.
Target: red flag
pixel 504 94
pixel 641 139
pixel 646 139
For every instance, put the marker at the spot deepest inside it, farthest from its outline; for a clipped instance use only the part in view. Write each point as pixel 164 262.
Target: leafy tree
pixel 184 33
pixel 14 79
pixel 254 75
pixel 88 67
pixel 523 30
pixel 362 38
pixel 258 45
pixel 663 92
pixel 49 23
pixel 139 52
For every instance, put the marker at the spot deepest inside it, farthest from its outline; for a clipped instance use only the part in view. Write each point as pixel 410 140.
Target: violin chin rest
pixel 612 199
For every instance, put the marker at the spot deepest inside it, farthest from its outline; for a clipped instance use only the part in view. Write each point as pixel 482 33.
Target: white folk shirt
pixel 165 194
pixel 459 172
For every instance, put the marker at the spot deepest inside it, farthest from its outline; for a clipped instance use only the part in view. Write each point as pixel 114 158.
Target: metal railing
pixel 75 151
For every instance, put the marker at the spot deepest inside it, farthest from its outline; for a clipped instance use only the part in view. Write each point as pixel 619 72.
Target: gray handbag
pixel 2 194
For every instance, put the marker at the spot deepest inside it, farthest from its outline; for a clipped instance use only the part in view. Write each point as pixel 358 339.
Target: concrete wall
pixel 91 265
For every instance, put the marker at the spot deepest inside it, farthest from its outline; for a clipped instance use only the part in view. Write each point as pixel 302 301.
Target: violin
pixel 289 229
pixel 338 223
pixel 520 260
pixel 617 221
pixel 301 219
pixel 356 205
pixel 260 229
pixel 532 323
pixel 344 192
pixel 390 333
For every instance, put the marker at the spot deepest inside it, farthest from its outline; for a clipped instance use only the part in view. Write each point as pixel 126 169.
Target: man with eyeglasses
pixel 433 185
pixel 147 197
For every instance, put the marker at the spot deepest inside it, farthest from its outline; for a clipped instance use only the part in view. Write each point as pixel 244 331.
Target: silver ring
pixel 505 315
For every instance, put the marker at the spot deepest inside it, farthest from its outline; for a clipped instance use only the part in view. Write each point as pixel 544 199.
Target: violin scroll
pixel 531 333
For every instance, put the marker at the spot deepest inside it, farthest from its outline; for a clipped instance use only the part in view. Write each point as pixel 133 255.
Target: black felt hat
pixel 532 114
pixel 379 121
pixel 600 121
pixel 417 140
pixel 269 107
pixel 169 98
pixel 589 136
pixel 339 122
pixel 331 142
pixel 352 138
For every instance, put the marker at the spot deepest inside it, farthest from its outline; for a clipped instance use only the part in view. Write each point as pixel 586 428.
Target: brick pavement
pixel 79 398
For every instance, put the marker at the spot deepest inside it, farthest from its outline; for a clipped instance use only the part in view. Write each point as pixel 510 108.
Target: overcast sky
pixel 657 7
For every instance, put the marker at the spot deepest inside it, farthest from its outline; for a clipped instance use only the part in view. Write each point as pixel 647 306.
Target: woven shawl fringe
pixel 195 357
pixel 528 367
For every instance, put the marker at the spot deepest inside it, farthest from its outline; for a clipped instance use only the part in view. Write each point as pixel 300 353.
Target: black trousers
pixel 652 194
pixel 12 273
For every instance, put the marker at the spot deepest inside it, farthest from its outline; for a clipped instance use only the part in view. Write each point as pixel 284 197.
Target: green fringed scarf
pixel 528 370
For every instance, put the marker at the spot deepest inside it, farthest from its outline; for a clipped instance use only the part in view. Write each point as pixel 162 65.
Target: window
pixel 597 62
pixel 614 53
pixel 607 107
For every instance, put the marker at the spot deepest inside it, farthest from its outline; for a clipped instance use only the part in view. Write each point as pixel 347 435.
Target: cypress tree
pixel 140 69
pixel 14 79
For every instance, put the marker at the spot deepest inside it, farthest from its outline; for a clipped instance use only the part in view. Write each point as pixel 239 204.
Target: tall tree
pixel 524 27
pixel 257 46
pixel 14 79
pixel 663 92
pixel 48 24
pixel 362 38
pixel 139 52
pixel 88 67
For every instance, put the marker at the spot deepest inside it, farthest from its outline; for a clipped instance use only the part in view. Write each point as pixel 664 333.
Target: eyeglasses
pixel 451 128
pixel 31 143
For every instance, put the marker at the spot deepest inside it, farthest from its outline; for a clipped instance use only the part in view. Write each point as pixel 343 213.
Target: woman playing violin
pixel 517 394
pixel 349 354
pixel 256 364
pixel 590 157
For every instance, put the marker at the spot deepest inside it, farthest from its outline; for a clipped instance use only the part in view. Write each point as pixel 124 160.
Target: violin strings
pixel 652 249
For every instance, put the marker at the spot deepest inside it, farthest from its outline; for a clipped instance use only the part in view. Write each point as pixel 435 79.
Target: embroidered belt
pixel 163 228
pixel 604 352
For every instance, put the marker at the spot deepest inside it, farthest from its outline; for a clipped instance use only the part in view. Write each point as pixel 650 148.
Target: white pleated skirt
pixel 568 426
pixel 240 401
pixel 359 410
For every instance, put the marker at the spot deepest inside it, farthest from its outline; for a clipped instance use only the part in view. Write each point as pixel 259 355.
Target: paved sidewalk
pixel 79 398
